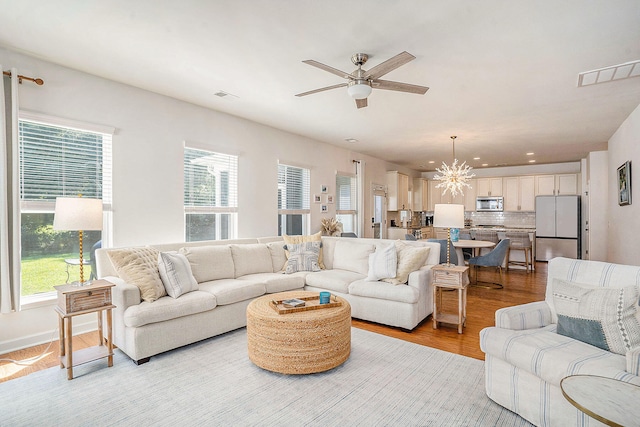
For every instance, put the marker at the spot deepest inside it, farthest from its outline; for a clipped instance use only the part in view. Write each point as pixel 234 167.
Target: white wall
pixel 623 224
pixel 597 204
pixel 147 165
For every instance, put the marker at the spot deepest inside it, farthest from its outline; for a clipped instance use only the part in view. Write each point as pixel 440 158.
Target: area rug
pixel 385 382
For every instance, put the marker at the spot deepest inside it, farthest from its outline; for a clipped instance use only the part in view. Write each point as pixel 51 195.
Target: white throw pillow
pixel 303 257
pixel 410 258
pixel 175 272
pixel 383 264
pixel 603 317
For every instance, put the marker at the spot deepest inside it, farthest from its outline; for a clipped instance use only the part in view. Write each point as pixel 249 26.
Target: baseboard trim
pixel 43 338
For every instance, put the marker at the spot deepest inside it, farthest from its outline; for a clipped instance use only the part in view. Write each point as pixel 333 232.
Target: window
pixel 210 195
pixel 293 200
pixel 58 161
pixel 346 203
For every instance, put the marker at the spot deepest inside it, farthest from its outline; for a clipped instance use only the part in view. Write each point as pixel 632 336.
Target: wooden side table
pixel 77 300
pixel 453 277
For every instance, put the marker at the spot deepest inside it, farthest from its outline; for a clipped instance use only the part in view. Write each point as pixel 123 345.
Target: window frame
pixel 48 207
pixel 303 199
pixel 213 209
pixel 352 210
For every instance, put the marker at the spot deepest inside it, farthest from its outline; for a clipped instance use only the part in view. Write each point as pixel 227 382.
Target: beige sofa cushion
pixel 352 255
pixel 333 280
pixel 384 290
pixel 251 259
pixel 277 282
pixel 228 291
pixel 139 267
pixel 210 262
pixel 168 308
pixel 278 255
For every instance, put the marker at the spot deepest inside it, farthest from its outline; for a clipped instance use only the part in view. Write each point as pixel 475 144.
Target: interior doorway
pixel 379 219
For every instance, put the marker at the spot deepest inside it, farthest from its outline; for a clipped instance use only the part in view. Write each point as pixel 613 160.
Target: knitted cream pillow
pixel 410 258
pixel 139 267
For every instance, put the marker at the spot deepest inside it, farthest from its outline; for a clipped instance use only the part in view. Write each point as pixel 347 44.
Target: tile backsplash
pixel 507 219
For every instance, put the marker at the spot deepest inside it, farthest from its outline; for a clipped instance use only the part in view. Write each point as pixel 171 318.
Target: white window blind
pixel 58 161
pixel 293 190
pixel 346 202
pixel 210 181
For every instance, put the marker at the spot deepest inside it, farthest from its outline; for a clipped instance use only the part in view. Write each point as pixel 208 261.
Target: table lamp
pixel 78 214
pixel 448 216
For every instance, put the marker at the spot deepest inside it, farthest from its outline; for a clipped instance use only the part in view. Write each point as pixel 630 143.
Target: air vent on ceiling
pixel 609 74
pixel 223 94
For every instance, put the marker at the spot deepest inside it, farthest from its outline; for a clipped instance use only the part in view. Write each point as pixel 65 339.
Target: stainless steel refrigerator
pixel 558 227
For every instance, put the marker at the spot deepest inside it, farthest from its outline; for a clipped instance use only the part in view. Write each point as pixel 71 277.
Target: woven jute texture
pixel 298 343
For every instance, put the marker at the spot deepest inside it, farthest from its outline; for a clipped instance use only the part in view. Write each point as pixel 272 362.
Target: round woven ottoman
pixel 298 343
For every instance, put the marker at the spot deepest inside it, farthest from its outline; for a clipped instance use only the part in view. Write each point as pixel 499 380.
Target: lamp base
pixel 80 284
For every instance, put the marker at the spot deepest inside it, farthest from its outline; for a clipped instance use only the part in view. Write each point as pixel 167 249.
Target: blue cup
pixel 325 297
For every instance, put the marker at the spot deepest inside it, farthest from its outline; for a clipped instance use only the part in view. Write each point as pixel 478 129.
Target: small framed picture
pixel 330 198
pixel 624 184
pixel 317 198
pixel 324 188
pixel 324 208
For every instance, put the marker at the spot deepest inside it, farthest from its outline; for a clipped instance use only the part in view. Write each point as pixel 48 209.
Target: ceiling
pixel 502 73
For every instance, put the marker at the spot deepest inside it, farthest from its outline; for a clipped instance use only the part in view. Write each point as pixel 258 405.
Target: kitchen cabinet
pixel 436 197
pixel 420 199
pixel 557 185
pixel 397 191
pixel 488 187
pixel 470 196
pixel 519 194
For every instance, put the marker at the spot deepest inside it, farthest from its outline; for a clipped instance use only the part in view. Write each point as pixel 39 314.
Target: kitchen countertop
pixel 503 228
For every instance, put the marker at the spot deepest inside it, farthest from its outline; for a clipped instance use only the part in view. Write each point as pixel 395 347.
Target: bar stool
pixel 520 241
pixel 487 235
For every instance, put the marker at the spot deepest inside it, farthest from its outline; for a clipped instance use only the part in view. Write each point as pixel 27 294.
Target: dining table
pixel 475 245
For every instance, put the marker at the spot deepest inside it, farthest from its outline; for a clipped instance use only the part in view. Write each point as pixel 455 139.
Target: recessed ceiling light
pixel 351 140
pixel 530 154
pixel 431 162
pixel 476 158
pixel 485 164
pixel 532 161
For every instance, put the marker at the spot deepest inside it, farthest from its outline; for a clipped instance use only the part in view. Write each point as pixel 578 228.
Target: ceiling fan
pixel 361 82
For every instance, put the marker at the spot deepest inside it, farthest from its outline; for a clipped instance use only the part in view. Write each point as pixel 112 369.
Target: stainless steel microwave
pixel 489 204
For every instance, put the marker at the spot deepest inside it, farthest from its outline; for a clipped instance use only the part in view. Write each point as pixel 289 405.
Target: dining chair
pixel 493 259
pixel 488 235
pixel 409 237
pixel 348 234
pixel 453 256
pixel 520 241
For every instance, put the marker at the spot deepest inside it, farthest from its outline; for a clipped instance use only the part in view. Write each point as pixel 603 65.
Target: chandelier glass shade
pixel 455 177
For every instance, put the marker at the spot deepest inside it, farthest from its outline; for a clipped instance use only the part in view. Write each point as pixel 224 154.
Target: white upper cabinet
pixel 557 185
pixel 436 196
pixel 420 200
pixel 398 191
pixel 519 193
pixel 489 187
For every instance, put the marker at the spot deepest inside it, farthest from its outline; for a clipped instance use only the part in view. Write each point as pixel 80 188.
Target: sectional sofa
pixel 588 324
pixel 230 274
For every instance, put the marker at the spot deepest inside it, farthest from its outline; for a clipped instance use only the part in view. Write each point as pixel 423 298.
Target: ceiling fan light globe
pixel 359 90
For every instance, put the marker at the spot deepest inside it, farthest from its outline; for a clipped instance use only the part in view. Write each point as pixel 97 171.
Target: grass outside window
pixel 40 273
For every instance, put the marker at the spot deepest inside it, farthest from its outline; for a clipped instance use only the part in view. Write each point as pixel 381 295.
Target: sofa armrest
pixel 420 279
pixel 525 316
pixel 124 295
pixel 633 361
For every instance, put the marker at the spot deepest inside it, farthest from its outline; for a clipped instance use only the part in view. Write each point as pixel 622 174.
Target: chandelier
pixel 454 177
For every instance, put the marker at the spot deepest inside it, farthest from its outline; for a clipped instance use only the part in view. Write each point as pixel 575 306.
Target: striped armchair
pixel 531 348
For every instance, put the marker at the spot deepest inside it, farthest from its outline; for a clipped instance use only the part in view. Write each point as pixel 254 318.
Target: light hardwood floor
pixel 520 287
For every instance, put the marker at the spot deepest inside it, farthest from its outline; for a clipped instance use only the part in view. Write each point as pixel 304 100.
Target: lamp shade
pixel 77 213
pixel 448 216
pixel 359 90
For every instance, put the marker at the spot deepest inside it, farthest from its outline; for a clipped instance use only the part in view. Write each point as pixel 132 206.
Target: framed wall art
pixel 624 184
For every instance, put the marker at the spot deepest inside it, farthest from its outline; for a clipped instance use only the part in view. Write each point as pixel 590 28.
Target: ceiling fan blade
pixel 400 87
pixel 322 89
pixel 324 67
pixel 361 103
pixel 389 65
